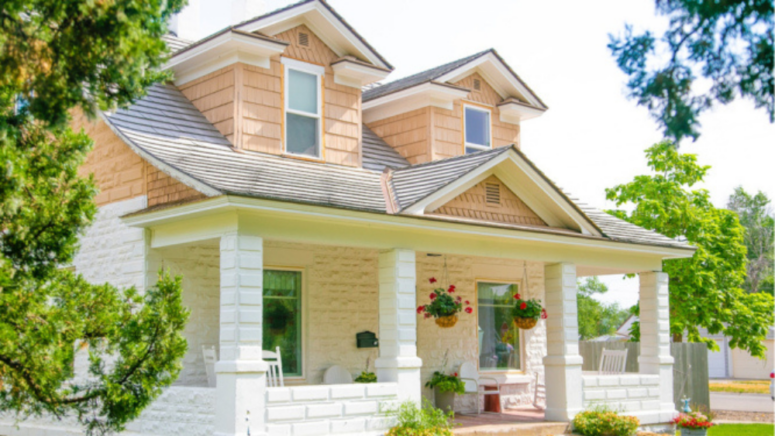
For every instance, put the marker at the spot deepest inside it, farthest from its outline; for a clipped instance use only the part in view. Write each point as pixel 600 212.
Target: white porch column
pixel 562 362
pixel 241 373
pixel 398 361
pixel 655 355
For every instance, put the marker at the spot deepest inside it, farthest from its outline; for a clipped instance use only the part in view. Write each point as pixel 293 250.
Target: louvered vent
pixel 303 39
pixel 477 84
pixel 492 193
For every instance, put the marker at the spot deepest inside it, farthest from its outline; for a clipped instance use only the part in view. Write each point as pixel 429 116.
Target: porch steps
pixel 516 429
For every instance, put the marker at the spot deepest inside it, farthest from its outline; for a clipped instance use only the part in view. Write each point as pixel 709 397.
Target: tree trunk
pixel 677 337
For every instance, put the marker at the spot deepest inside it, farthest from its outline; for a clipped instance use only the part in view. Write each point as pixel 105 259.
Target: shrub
pixel 425 421
pixel 447 383
pixel 602 421
pixel 366 377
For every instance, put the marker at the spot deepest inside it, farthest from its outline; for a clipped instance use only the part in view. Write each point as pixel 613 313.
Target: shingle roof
pixel 421 77
pixel 165 128
pixel 174 43
pixel 377 154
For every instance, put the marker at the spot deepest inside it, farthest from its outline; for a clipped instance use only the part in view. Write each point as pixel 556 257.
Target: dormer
pixel 472 104
pixel 286 83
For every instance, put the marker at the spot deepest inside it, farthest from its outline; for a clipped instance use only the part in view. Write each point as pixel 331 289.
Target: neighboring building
pixel 266 177
pixel 727 362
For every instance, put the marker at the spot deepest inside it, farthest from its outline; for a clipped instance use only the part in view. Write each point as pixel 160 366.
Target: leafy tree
pixel 756 216
pixel 729 43
pixel 705 289
pixel 56 57
pixel 595 318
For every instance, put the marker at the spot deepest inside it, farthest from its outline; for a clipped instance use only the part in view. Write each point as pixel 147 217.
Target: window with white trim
pixel 499 338
pixel 303 108
pixel 477 129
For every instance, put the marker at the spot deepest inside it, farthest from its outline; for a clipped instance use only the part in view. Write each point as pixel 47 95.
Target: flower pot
pixel 693 431
pixel 525 323
pixel 446 321
pixel 444 400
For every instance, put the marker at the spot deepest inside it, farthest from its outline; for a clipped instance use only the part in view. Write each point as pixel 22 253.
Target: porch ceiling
pixel 211 218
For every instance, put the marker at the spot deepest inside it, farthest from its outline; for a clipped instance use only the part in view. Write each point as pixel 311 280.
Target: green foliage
pixel 603 422
pixel 730 43
pixel 425 421
pixel 595 318
pixel 366 377
pixel 443 303
pixel 527 308
pixel 742 429
pixel 756 217
pixel 446 383
pixel 58 57
pixel 705 289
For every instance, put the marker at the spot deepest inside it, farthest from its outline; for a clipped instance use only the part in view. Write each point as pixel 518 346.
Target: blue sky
pixel 592 137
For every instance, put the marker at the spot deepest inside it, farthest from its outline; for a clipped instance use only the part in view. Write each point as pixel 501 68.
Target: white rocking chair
pixel 539 389
pixel 470 376
pixel 337 375
pixel 274 376
pixel 613 362
pixel 210 356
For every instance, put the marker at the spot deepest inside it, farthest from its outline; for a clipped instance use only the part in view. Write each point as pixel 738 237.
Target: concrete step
pixel 516 429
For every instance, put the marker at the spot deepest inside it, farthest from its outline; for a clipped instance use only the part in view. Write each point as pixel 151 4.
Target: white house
pixel 264 173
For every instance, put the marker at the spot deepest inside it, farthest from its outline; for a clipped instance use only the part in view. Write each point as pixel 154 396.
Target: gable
pixel 485 94
pixel 491 200
pixel 315 51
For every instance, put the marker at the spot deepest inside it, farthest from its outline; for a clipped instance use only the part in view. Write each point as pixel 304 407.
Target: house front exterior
pixel 301 210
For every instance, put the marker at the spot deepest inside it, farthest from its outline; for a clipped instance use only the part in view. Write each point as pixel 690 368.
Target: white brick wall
pixel 631 394
pixel 179 411
pixel 330 409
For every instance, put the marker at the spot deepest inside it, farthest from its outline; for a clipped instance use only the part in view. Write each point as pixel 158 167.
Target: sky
pixel 592 137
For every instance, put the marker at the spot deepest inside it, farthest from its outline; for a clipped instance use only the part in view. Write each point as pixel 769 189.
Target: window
pixel 477 129
pixel 282 318
pixel 302 108
pixel 499 341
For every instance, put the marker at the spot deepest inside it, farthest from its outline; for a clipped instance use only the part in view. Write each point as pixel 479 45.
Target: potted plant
pixel 443 306
pixel 444 389
pixel 413 420
pixel 693 424
pixel 527 312
pixel 366 376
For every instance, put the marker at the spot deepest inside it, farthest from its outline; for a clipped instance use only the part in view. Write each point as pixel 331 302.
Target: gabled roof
pixel 458 68
pixel 167 130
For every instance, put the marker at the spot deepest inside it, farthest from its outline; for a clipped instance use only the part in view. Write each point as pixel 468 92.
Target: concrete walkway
pixel 742 402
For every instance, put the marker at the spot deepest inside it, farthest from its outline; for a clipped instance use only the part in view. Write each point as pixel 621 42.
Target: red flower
pixel 451 289
pixel 772 375
pixel 459 298
pixel 467 303
pixel 469 310
pixel 420 309
pixel 432 280
pixel 516 296
pixel 427 315
pixel 455 374
pixel 543 314
pixel 523 306
pixel 433 295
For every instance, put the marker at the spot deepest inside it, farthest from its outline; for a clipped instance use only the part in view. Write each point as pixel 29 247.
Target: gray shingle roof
pixel 166 128
pixel 421 77
pixel 174 43
pixel 377 154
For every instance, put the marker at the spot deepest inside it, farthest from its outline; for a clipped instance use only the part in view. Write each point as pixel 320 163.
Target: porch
pixel 347 285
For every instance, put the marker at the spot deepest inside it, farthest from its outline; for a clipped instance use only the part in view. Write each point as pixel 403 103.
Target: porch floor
pixel 522 421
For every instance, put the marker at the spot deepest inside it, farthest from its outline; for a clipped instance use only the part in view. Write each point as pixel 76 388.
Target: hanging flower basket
pixel 444 307
pixel 446 322
pixel 527 312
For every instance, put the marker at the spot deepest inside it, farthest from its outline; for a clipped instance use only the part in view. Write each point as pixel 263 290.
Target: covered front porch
pixel 356 272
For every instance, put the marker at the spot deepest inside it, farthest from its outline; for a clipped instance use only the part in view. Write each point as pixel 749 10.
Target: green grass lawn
pixel 741 430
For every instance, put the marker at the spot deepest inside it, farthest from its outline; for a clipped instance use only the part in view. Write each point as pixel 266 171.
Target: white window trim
pixel 318 71
pixel 522 346
pixel 467 144
pixel 295 379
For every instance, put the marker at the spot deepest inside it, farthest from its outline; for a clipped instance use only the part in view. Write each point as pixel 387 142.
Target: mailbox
pixel 366 340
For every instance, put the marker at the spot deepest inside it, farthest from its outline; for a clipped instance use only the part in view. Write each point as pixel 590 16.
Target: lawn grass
pixel 742 387
pixel 742 429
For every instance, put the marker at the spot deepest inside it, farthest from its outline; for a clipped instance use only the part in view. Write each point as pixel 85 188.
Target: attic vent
pixel 303 39
pixel 477 84
pixel 492 193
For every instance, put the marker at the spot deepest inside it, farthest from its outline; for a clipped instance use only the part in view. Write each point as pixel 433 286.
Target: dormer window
pixel 476 121
pixel 303 109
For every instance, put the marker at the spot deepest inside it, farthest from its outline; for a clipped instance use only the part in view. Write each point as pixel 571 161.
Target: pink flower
pixel 516 296
pixel 523 306
pixel 433 295
pixel 432 280
pixel 469 310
